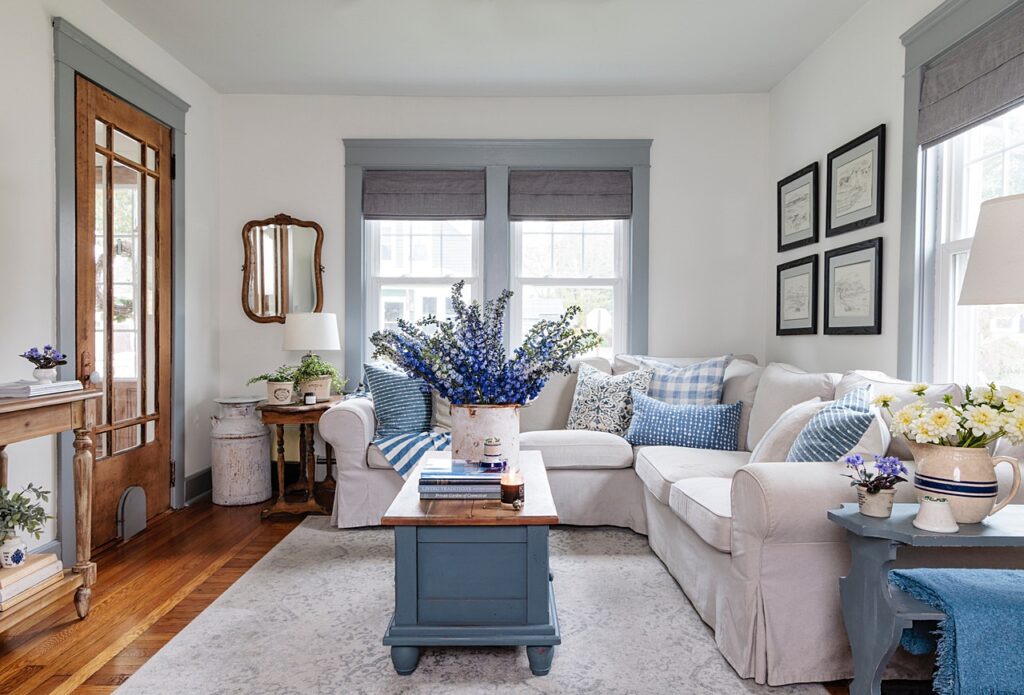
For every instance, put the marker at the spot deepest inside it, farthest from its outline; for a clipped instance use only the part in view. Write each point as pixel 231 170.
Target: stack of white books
pixel 35 574
pixel 27 388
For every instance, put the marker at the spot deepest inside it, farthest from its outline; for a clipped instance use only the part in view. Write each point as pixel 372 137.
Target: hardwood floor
pixel 148 590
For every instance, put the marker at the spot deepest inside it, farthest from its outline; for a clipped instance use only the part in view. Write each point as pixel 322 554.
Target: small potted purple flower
pixel 876 489
pixel 46 361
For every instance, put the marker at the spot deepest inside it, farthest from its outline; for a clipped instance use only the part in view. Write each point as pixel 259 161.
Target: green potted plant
pixel 280 384
pixel 20 510
pixel 318 377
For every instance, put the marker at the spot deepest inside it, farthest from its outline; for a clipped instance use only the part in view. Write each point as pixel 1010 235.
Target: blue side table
pixel 874 611
pixel 470 573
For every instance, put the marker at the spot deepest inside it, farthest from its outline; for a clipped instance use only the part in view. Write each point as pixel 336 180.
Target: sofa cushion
pixel 697 384
pixel 781 387
pixel 550 409
pixel 740 386
pixel 660 466
pixel 604 403
pixel 578 449
pixel 375 458
pixel 440 413
pixel 705 505
pixel 699 426
pixel 778 440
pixel 836 429
pixel 623 363
pixel 883 385
pixel 400 402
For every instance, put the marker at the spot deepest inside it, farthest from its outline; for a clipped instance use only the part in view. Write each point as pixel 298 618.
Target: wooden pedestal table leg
pixel 280 463
pixel 82 464
pixel 327 489
pixel 3 465
pixel 303 453
pixel 310 464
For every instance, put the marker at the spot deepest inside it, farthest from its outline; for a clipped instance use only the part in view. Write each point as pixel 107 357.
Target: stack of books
pixel 460 480
pixel 35 574
pixel 27 388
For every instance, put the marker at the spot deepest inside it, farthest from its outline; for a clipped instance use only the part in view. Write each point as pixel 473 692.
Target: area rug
pixel 309 617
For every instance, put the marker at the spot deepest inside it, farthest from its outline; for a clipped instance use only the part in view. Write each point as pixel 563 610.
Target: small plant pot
pixel 280 392
pixel 877 505
pixel 45 376
pixel 13 552
pixel 319 387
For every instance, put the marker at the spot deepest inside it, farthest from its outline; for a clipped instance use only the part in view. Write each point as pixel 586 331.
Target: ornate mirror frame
pixel 248 271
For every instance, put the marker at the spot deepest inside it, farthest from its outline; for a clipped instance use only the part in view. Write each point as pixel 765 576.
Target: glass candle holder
pixel 513 490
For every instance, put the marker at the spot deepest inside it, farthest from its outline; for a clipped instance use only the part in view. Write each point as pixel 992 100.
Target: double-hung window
pixel 973 344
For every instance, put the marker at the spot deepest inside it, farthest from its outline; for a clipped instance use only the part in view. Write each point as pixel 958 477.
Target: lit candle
pixel 512 489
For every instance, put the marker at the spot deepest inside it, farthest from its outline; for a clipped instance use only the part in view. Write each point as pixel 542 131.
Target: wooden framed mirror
pixel 281 271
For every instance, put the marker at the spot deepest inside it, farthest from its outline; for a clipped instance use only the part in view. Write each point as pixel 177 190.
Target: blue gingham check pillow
pixel 696 384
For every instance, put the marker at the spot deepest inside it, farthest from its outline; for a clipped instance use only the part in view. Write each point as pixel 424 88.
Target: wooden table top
pixel 11 405
pixel 538 509
pixel 299 407
pixel 1005 528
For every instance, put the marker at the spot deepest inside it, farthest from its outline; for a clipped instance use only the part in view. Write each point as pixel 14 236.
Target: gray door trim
pixel 496 157
pixel 944 27
pixel 75 52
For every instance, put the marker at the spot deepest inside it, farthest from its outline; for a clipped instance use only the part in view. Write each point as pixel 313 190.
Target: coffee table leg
pixel 871 624
pixel 405 659
pixel 540 659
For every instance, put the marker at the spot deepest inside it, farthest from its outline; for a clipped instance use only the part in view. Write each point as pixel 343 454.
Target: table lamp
pixel 311 332
pixel 997 255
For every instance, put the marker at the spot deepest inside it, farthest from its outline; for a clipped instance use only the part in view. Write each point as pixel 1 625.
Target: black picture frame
pixel 848 155
pixel 792 326
pixel 850 324
pixel 810 173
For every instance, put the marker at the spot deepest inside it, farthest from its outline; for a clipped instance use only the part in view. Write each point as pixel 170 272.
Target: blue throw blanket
pixel 982 638
pixel 404 451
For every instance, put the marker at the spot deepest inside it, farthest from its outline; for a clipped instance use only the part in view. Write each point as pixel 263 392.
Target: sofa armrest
pixel 787 502
pixel 348 427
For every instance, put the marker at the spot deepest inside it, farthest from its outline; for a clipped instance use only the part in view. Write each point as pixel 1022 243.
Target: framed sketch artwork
pixel 853 289
pixel 797 205
pixel 856 183
pixel 796 297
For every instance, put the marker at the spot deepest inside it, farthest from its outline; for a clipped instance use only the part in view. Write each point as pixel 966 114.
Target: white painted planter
pixel 877 505
pixel 13 552
pixel 45 376
pixel 240 449
pixel 472 424
pixel 320 387
pixel 280 392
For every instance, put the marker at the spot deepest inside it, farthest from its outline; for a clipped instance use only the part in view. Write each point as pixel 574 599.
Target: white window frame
pixel 376 282
pixel 619 284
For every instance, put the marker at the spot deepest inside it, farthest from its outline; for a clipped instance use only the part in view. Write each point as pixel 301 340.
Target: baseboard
pixel 197 486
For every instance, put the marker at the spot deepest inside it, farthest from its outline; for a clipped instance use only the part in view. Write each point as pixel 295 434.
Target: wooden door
pixel 123 298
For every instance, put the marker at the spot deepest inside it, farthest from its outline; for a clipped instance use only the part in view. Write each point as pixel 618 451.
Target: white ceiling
pixel 488 47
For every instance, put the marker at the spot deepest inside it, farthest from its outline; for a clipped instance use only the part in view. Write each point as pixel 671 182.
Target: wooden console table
pixel 28 418
pixel 306 417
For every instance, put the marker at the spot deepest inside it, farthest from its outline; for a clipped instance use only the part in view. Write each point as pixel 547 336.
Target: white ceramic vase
pixel 472 424
pixel 45 376
pixel 936 515
pixel 13 551
pixel 878 504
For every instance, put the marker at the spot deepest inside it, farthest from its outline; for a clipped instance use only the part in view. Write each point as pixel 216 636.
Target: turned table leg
pixel 303 453
pixel 280 463
pixel 82 463
pixel 310 462
pixel 3 465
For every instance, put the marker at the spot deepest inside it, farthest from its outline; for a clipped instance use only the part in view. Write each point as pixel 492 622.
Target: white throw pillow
pixel 781 387
pixel 778 440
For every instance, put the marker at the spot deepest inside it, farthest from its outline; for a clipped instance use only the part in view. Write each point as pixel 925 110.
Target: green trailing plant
pixel 23 510
pixel 314 367
pixel 283 373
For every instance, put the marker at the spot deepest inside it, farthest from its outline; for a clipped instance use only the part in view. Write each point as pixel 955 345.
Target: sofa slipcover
pixel 781 387
pixel 660 466
pixel 706 507
pixel 578 449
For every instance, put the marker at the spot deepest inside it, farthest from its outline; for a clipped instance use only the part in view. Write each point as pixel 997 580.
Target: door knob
pixel 95 378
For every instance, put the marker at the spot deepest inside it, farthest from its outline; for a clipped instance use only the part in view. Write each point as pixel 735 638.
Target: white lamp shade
pixel 311 332
pixel 994 267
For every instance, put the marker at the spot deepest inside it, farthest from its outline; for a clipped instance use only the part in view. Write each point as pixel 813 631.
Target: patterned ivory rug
pixel 309 617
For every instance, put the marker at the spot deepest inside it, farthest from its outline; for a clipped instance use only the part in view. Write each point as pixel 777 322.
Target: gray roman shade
pixel 974 81
pixel 432 194
pixel 569 194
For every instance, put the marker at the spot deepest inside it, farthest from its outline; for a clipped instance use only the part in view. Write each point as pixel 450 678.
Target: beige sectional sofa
pixel 749 543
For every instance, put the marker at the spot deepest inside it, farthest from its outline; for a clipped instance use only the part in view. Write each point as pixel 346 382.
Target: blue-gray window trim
pixel 75 52
pixel 941 29
pixel 496 157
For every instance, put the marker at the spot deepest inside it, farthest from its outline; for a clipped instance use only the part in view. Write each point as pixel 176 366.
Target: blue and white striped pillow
pixel 697 426
pixel 836 429
pixel 695 384
pixel 401 403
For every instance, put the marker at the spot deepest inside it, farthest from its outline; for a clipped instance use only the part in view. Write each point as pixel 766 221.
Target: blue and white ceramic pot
pixel 13 552
pixel 966 477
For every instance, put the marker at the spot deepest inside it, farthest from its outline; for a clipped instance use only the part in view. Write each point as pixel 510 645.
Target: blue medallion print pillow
pixel 697 426
pixel 835 430
pixel 401 403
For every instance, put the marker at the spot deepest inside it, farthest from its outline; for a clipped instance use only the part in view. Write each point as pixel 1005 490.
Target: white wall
pixel 709 193
pixel 28 201
pixel 848 85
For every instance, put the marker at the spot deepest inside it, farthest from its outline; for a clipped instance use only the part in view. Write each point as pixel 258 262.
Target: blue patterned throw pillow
pixel 695 384
pixel 401 403
pixel 836 429
pixel 696 426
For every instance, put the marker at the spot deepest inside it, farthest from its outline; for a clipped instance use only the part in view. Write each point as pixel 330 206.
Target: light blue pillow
pixel 401 403
pixel 695 384
pixel 836 429
pixel 698 426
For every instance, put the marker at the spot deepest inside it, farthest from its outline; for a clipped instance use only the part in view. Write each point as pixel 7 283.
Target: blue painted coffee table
pixel 470 573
